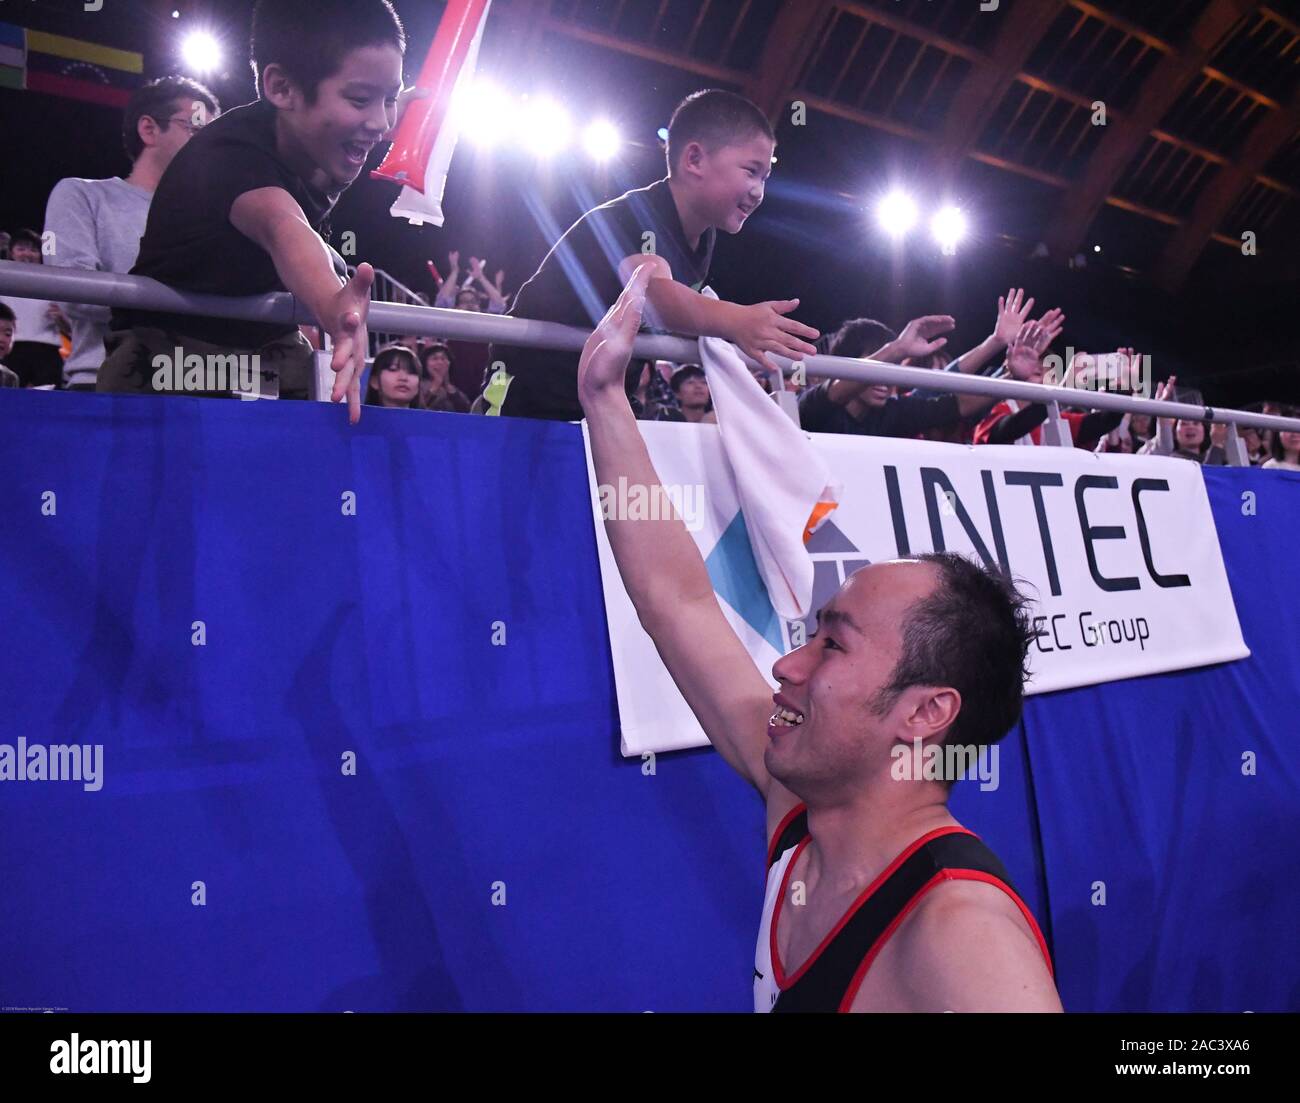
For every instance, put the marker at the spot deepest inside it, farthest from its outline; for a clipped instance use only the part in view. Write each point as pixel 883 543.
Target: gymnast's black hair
pixel 972 632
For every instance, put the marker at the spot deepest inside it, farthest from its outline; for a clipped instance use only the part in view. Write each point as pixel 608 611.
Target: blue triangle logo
pixel 736 580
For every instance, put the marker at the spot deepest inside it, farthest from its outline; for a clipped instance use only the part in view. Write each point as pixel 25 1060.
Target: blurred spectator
pixel 36 356
pixel 469 359
pixel 987 358
pixel 1286 446
pixel 848 406
pixel 1014 422
pixel 1253 443
pixel 1141 428
pixel 394 379
pixel 1120 439
pixel 1185 438
pixel 690 386
pixel 7 323
pixel 464 294
pixel 4 245
pixel 653 395
pixel 96 225
pixel 437 392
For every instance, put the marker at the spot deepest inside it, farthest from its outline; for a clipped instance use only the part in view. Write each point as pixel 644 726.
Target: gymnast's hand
pixel 764 328
pixel 608 349
pixel 346 324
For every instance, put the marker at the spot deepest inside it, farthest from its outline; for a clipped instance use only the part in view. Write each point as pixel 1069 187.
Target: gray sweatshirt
pixel 97 226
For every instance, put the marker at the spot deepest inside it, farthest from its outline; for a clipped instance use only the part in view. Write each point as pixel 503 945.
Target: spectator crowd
pixel 100 225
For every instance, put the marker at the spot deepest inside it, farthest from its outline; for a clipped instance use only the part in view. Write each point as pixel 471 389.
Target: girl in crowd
pixel 1286 448
pixel 394 379
pixel 1186 438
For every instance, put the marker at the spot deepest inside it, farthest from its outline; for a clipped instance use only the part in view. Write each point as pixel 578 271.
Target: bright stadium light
pixel 662 133
pixel 484 114
pixel 602 140
pixel 200 52
pixel 949 228
pixel 546 127
pixel 897 213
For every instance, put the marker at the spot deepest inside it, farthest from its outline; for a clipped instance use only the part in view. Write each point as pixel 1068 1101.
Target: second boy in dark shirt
pixel 720 150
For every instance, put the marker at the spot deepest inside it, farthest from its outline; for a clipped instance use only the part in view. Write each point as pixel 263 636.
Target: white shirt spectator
pixel 97 226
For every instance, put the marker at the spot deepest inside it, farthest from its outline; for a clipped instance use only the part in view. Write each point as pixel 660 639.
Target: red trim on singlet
pixel 782 981
pixel 786 820
pixel 942 875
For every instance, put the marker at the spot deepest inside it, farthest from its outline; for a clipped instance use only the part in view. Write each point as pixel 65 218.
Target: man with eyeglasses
pixel 97 224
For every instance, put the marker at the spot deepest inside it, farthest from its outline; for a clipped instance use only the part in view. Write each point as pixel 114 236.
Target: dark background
pixel 1230 330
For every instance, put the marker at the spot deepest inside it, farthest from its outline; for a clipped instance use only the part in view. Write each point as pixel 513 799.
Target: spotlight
pixel 948 228
pixel 602 140
pixel 200 51
pixel 483 114
pixel 546 127
pixel 1096 248
pixel 897 213
pixel 662 132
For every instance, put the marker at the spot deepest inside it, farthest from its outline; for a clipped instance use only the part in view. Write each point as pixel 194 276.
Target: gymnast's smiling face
pixel 839 683
pixel 729 180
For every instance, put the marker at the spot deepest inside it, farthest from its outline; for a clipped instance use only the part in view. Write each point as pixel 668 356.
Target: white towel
pixel 785 490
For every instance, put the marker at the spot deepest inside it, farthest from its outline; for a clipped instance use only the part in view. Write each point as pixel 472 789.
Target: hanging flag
pixel 79 70
pixel 13 57
pixel 421 153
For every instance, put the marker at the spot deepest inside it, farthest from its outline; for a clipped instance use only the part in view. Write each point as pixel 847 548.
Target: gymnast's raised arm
pixel 661 566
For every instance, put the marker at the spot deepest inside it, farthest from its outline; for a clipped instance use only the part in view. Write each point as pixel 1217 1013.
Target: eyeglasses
pixel 184 120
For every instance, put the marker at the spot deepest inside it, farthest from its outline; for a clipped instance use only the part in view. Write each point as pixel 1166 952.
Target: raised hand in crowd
pixel 1013 313
pixel 493 291
pixel 1025 355
pixel 921 337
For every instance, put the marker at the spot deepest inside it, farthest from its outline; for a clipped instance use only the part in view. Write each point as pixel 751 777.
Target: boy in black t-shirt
pixel 720 150
pixel 240 208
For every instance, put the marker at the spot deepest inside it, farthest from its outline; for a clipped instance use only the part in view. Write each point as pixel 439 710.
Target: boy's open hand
pixel 763 328
pixel 603 365
pixel 346 325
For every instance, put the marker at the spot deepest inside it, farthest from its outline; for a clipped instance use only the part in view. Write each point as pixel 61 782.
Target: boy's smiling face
pixel 331 138
pixel 730 180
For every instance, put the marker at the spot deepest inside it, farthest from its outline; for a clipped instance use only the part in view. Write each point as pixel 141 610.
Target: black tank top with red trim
pixel 839 967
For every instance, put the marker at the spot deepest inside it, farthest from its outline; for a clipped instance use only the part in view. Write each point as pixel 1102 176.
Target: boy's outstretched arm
pixel 272 218
pixel 661 566
pixel 756 330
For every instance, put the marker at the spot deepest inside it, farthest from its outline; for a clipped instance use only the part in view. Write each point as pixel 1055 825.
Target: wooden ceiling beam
pixel 1214 204
pixel 1123 138
pixel 789 44
pixel 985 85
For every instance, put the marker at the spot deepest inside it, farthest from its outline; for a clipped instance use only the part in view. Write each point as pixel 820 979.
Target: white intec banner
pixel 1119 555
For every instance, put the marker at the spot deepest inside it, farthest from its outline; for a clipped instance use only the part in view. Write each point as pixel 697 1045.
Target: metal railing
pixel 36 281
pixel 387 289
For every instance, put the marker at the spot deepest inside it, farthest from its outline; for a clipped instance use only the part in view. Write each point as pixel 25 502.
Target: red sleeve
pixel 995 415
